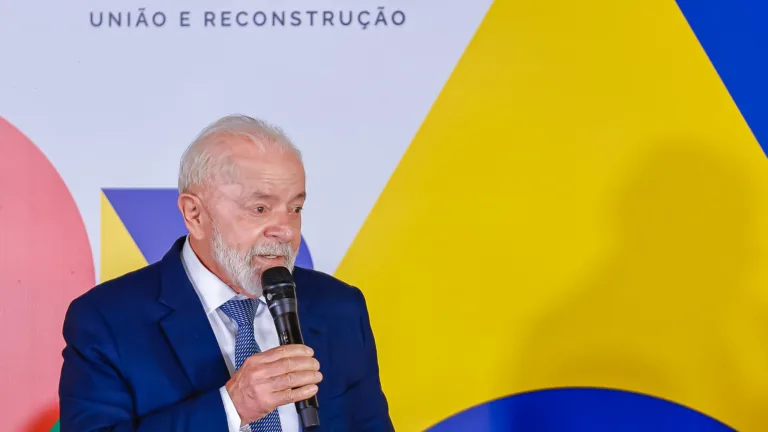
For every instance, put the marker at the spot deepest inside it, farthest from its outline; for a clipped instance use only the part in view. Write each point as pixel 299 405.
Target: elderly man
pixel 188 344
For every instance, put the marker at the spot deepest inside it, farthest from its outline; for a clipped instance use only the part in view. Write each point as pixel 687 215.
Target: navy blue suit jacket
pixel 140 355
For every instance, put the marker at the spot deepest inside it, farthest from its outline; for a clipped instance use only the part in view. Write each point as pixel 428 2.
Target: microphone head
pixel 275 276
pixel 277 284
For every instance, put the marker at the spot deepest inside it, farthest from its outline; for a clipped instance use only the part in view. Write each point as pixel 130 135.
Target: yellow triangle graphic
pixel 119 253
pixel 583 206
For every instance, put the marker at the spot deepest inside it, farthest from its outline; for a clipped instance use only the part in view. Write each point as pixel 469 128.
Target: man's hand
pixel 275 377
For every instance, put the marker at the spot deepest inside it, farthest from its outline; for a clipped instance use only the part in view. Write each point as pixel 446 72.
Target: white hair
pixel 199 163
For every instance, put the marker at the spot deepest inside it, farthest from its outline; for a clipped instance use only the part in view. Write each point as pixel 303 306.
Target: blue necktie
pixel 242 312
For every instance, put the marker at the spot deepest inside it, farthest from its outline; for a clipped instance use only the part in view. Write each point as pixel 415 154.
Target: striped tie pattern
pixel 243 312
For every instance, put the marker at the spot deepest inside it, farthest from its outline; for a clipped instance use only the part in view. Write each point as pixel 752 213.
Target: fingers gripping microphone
pixel 280 292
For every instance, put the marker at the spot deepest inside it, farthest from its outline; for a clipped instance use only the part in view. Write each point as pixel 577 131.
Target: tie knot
pixel 241 311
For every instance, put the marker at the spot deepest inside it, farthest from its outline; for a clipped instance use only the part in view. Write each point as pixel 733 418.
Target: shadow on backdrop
pixel 654 319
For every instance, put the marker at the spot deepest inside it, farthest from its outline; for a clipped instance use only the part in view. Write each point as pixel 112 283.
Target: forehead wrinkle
pixel 222 152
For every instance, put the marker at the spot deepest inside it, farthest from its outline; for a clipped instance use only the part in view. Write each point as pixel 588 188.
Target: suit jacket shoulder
pixel 124 298
pixel 326 291
pixel 351 394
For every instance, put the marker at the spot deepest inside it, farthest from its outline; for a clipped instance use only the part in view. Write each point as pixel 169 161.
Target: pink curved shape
pixel 45 262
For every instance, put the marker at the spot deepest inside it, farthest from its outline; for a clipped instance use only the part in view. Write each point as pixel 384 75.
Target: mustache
pixel 277 249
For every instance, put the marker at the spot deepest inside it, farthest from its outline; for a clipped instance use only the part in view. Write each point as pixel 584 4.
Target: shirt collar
pixel 212 291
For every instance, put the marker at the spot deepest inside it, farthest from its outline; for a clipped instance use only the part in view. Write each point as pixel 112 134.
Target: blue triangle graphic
pixel 153 220
pixel 734 35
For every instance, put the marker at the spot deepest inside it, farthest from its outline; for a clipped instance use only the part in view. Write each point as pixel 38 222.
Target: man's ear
pixel 193 213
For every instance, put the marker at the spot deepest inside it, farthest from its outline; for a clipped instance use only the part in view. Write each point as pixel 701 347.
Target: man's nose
pixel 280 230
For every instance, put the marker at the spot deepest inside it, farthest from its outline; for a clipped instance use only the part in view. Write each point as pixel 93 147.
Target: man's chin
pixel 252 291
pixel 254 294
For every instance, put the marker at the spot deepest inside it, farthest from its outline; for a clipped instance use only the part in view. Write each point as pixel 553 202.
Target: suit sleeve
pixel 372 413
pixel 94 395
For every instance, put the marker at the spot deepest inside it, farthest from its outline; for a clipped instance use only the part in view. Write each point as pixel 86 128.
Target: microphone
pixel 280 292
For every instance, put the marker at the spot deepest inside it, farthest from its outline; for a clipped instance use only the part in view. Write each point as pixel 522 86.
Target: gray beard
pixel 240 269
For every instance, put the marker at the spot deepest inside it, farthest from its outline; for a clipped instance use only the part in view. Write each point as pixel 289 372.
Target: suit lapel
pixel 313 331
pixel 310 321
pixel 187 327
pixel 189 332
pixel 313 327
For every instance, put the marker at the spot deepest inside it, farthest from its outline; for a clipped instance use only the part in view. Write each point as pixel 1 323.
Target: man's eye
pixel 297 209
pixel 260 209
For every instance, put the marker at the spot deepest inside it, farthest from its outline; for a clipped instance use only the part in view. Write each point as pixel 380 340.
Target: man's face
pixel 255 217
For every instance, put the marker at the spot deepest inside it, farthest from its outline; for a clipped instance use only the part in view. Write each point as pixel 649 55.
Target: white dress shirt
pixel 213 293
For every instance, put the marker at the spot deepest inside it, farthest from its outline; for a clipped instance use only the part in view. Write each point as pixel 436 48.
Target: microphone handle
pixel 289 332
